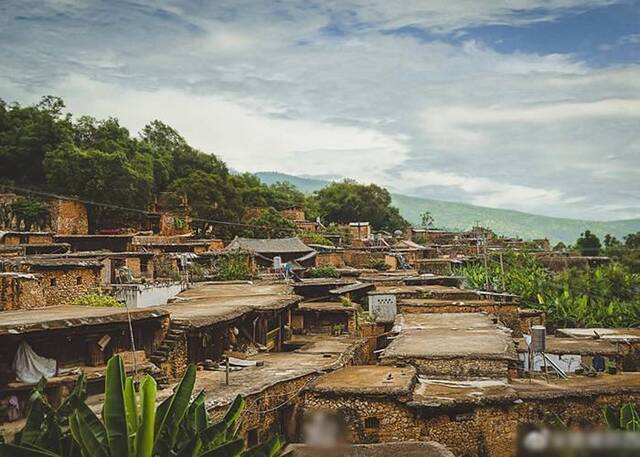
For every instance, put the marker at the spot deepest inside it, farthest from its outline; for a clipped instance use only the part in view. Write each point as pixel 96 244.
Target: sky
pixel 531 105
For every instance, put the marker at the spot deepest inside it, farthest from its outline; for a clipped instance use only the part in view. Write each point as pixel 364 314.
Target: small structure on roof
pixel 265 250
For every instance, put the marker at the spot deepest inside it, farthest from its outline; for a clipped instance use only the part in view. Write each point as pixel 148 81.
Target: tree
pixel 106 177
pixel 560 246
pixel 26 135
pixel 427 219
pixel 131 425
pixel 348 201
pixel 632 240
pixel 610 241
pixel 269 224
pixel 588 244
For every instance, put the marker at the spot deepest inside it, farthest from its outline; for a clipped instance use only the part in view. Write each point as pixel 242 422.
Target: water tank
pixel 277 263
pixel 538 338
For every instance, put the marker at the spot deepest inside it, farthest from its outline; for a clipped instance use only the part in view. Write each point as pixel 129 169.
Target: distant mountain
pixel 461 216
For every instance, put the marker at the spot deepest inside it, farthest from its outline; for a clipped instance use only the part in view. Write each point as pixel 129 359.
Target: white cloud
pixel 269 86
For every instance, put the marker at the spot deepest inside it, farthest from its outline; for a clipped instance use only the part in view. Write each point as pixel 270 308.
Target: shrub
pixel 323 272
pixel 97 299
pixel 232 267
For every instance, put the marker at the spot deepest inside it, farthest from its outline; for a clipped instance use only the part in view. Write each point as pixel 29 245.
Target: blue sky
pixel 525 104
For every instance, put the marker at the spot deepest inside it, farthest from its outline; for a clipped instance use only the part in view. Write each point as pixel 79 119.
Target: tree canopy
pixel 99 160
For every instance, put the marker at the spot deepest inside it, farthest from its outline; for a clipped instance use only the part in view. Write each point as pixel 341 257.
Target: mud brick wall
pixel 11 239
pixel 507 314
pixel 455 368
pixel 332 259
pixel 171 225
pixel 133 264
pixel 69 217
pixel 20 293
pixel 434 266
pixel 293 214
pixel 492 431
pixel 395 421
pixel 528 320
pixel 62 286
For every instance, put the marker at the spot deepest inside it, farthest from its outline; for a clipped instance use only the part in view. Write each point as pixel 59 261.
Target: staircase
pixel 161 355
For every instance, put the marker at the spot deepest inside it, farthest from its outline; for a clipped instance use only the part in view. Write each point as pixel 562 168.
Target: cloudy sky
pixel 526 104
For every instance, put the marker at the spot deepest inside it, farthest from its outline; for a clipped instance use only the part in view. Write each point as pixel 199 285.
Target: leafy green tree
pixel 560 246
pixel 26 135
pixel 588 244
pixel 427 219
pixel 269 224
pixel 611 241
pixel 632 240
pixel 109 177
pixel 348 201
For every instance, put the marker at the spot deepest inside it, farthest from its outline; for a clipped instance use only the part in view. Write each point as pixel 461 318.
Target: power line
pixel 136 210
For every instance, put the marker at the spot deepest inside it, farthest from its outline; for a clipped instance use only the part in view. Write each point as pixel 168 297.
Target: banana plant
pixel 132 425
pixel 626 418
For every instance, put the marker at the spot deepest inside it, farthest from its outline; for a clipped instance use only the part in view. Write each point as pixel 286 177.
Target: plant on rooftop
pixel 29 213
pixel 132 425
pixel 323 272
pixel 97 299
pixel 232 267
pixel 315 238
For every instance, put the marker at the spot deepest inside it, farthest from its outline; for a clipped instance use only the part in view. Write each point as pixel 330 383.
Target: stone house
pixel 39 282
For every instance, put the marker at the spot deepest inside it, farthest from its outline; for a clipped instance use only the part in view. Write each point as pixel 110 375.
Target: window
pixel 144 265
pixel 78 280
pixel 53 282
pixel 371 422
pixel 252 437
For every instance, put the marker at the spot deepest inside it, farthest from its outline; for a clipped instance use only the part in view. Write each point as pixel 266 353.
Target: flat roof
pixel 450 335
pixel 326 306
pixel 367 380
pixel 609 334
pixel 577 386
pixel 211 303
pixel 68 316
pixel 435 393
pixel 451 302
pixel 559 346
pixel 277 367
pixel 403 448
pixel 427 289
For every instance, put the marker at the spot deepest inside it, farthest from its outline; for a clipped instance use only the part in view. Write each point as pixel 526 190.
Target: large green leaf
pixel 12 450
pixel 145 438
pixel 169 425
pixel 270 448
pixel 91 420
pixel 230 449
pixel 36 410
pixel 131 406
pixel 114 410
pixel 90 442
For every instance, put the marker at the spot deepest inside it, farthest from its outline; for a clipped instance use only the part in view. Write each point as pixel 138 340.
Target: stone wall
pixel 468 431
pixel 69 217
pixel 21 292
pixel 506 313
pixel 63 286
pixel 455 367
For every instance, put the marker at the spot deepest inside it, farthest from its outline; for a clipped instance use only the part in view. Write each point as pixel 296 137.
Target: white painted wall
pixel 146 295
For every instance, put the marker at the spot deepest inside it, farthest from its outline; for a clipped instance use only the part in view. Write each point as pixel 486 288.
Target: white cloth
pixel 30 367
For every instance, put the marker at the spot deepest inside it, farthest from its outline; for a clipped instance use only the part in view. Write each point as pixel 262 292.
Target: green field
pixel 454 215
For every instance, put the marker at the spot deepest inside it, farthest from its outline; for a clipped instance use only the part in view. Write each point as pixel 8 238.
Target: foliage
pixel 606 296
pixel 232 267
pixel 269 224
pixel 377 264
pixel 343 232
pixel 588 243
pixel 348 201
pixel 626 418
pixel 97 299
pixel 315 238
pixel 560 246
pixel 132 425
pixel 323 272
pixel 632 240
pixel 427 219
pixel 27 213
pixel 163 267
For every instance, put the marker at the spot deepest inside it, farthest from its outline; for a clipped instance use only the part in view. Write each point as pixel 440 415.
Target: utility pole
pixel 486 267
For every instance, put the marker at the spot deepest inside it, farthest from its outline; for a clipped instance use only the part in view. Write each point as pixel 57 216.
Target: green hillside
pixel 453 215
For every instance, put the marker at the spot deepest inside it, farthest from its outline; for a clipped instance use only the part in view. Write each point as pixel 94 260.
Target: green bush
pixel 606 296
pixel 232 267
pixel 97 299
pixel 323 272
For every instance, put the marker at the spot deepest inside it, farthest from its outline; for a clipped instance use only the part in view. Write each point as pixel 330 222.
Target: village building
pixel 265 251
pixel 71 338
pixel 36 282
